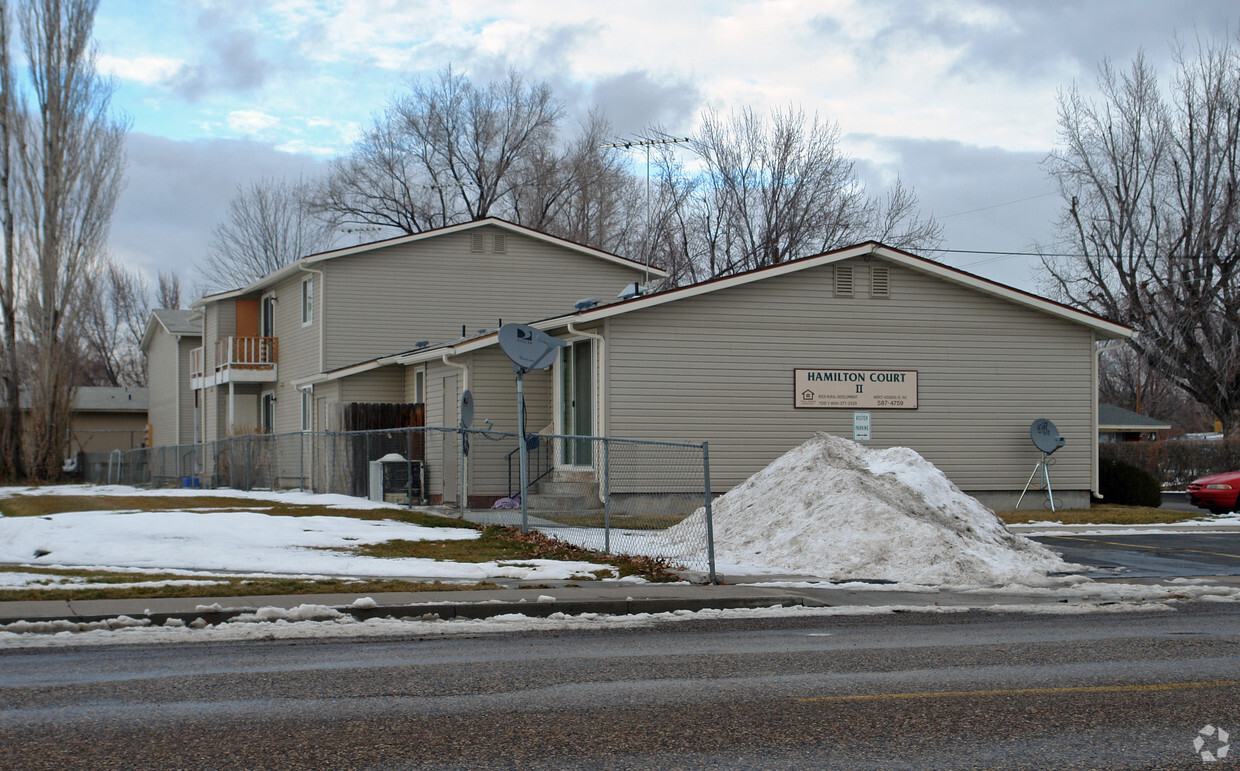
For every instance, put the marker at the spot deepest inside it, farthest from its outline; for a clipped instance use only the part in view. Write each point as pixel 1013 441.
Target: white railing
pixel 245 353
pixel 195 363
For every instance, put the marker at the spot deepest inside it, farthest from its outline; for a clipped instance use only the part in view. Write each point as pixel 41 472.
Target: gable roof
pixel 314 259
pixel 1105 329
pixel 1112 417
pixel 175 322
pixel 102 399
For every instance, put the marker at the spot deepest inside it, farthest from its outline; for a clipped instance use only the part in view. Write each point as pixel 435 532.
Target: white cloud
pixel 149 70
pixel 250 122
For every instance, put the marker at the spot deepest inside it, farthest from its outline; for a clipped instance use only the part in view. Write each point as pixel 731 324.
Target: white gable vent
pixel 476 242
pixel 880 281
pixel 843 281
pixel 499 243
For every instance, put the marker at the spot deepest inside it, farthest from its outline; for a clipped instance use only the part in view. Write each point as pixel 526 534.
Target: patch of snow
pixel 364 603
pixel 246 542
pixel 545 598
pixel 834 509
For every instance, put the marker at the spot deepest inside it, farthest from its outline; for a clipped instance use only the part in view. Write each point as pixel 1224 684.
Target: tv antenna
pixel 1047 439
pixel 647 143
pixel 529 349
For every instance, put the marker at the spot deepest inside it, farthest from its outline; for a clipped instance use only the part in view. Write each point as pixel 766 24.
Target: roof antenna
pixel 647 143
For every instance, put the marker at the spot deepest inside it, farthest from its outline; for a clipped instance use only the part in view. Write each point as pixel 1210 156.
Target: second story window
pixel 307 301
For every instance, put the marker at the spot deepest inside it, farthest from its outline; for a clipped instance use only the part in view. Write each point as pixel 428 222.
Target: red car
pixel 1216 492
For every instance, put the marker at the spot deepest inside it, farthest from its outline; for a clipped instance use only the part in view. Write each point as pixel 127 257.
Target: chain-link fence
pixel 620 496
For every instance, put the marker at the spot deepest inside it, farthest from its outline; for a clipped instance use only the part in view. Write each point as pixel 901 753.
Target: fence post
pixel 710 522
pixel 461 477
pixel 607 496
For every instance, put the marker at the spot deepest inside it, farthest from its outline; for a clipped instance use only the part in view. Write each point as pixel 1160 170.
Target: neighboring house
pixel 1116 424
pixel 106 418
pixel 329 310
pixel 758 362
pixel 168 342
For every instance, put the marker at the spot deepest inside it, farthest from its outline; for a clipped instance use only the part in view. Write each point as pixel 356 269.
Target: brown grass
pixel 1103 515
pixel 43 505
pixel 509 544
pixel 229 587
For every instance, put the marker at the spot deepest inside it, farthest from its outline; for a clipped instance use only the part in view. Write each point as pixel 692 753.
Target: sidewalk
pixel 609 598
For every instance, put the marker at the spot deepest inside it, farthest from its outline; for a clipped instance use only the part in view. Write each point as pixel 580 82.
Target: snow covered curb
pixel 322 622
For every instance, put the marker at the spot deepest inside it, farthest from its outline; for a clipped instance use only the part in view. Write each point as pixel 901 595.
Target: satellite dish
pixel 1045 436
pixel 529 348
pixel 467 409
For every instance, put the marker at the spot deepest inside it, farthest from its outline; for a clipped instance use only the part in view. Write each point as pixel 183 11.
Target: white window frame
pixel 307 301
pixel 419 385
pixel 307 403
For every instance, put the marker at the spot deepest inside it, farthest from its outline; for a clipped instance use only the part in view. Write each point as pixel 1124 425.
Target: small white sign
pixel 861 426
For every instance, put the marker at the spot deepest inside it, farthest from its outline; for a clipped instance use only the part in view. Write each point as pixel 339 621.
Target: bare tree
pixel 583 192
pixel 72 168
pixel 774 188
pixel 1151 183
pixel 269 225
pixel 448 151
pixel 11 134
pixel 168 291
pixel 115 308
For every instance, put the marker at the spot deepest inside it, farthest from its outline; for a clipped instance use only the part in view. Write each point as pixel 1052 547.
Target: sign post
pixel 529 349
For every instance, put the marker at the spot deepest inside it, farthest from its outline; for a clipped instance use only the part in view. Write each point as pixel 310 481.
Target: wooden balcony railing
pixel 195 363
pixel 245 353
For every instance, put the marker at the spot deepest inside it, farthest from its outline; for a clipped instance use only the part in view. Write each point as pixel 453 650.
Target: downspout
pixel 602 374
pixel 1095 484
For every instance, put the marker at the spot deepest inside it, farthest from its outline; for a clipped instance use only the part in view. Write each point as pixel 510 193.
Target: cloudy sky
pixel 956 97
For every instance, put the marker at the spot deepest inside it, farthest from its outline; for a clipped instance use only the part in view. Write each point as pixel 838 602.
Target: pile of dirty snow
pixel 835 509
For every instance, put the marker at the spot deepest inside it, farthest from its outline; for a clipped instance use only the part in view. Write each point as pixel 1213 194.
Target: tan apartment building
pixel 262 344
pixel 952 365
pixel 168 341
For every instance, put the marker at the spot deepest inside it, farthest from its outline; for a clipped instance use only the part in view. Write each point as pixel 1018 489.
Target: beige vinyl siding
pixel 185 394
pixel 384 386
pixel 435 374
pixel 384 301
pixel 165 378
pixel 493 386
pixel 719 367
pixel 298 354
pixel 107 431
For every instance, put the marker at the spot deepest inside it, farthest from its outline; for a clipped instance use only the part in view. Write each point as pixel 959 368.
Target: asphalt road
pixel 958 690
pixel 1161 555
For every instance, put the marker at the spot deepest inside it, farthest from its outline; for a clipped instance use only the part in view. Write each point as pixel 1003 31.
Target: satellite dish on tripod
pixel 1045 436
pixel 1047 439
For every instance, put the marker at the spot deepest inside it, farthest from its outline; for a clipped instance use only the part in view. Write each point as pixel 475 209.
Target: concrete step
pixel 569 475
pixel 553 487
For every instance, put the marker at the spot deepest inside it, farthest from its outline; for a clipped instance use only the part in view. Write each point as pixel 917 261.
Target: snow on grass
pixel 247 541
pixel 295 623
pixel 835 509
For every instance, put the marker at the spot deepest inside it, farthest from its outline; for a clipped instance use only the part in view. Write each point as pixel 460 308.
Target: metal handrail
pixel 537 457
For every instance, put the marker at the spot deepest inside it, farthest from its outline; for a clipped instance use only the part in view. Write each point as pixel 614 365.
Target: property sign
pixel 855 389
pixel 861 426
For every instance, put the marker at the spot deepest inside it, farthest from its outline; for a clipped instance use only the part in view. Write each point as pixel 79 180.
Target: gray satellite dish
pixel 1045 436
pixel 467 409
pixel 529 348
